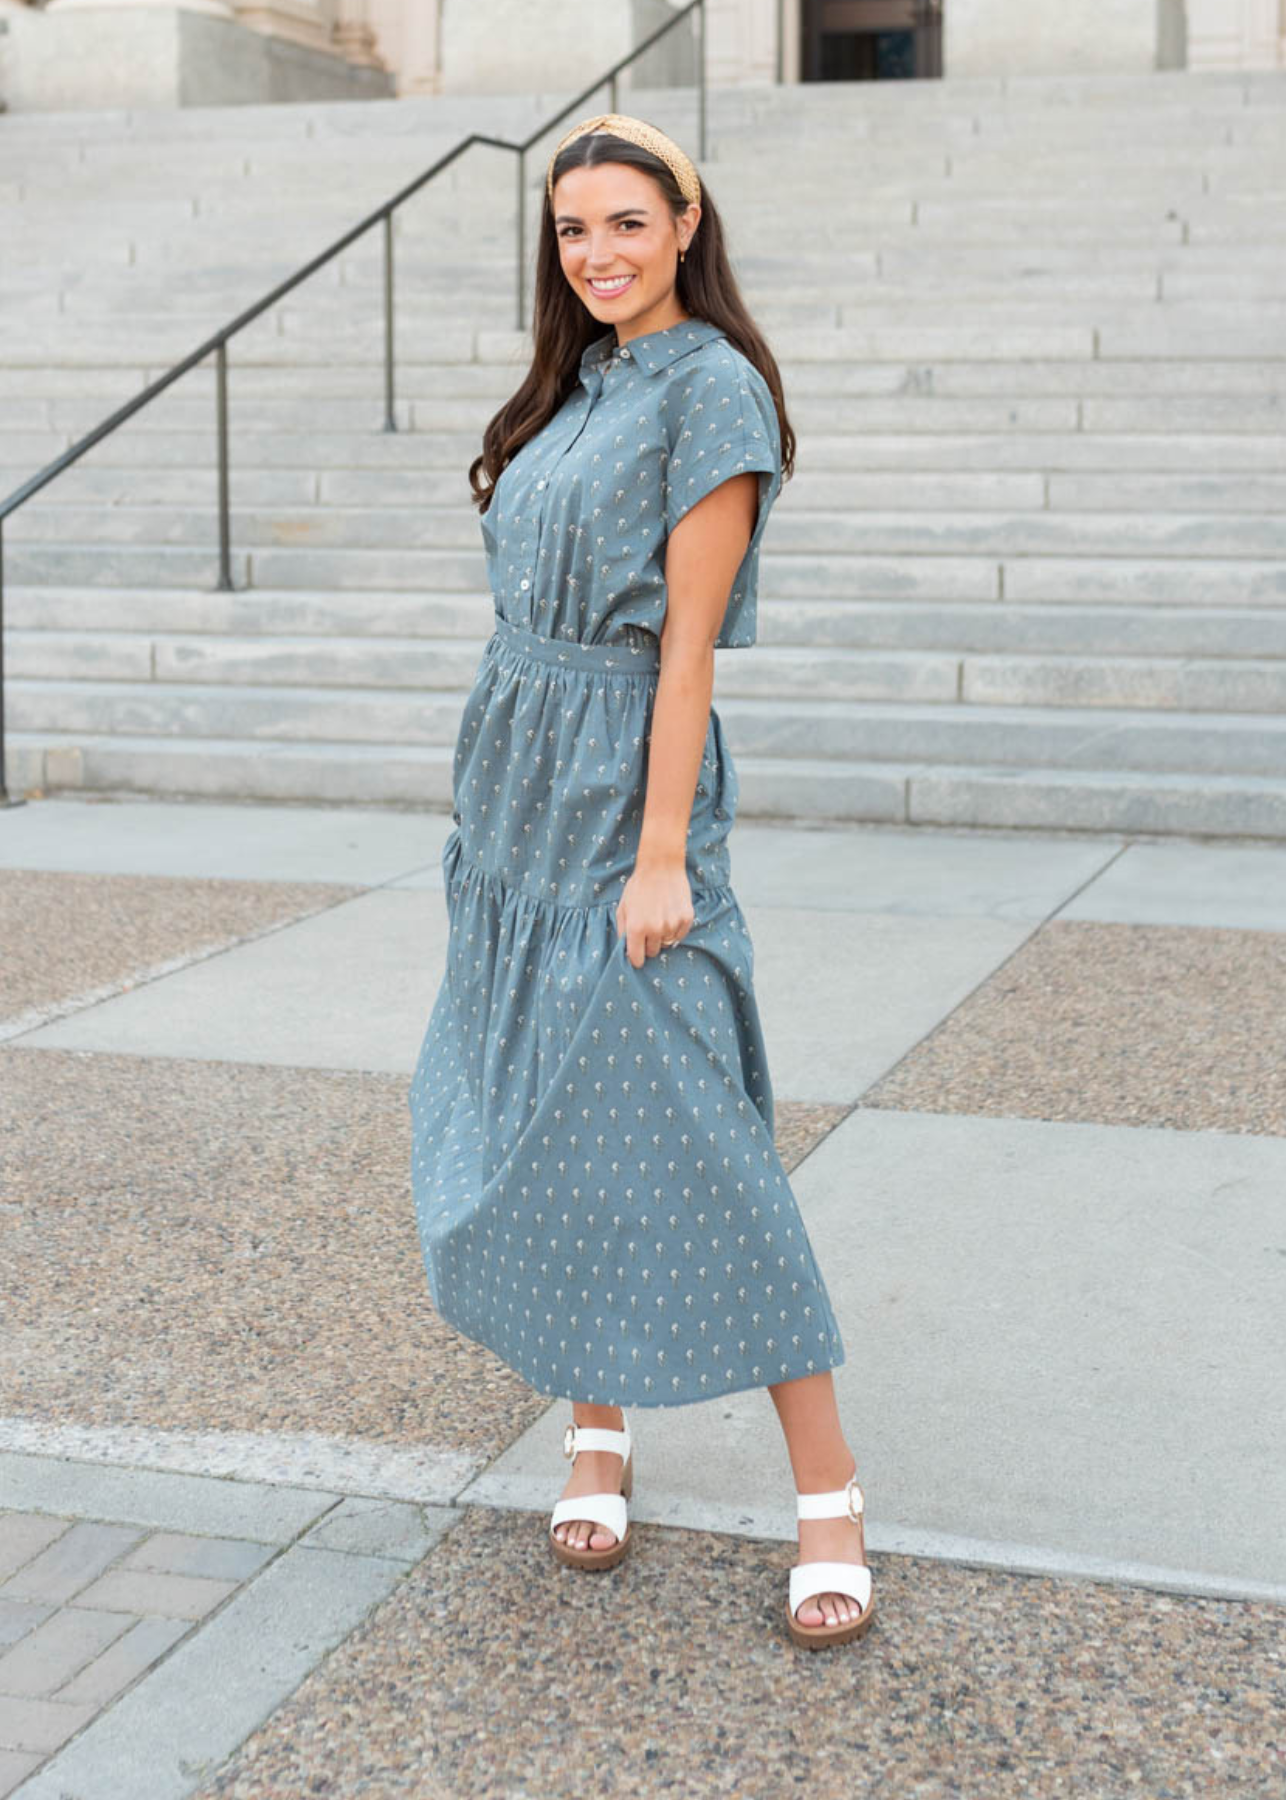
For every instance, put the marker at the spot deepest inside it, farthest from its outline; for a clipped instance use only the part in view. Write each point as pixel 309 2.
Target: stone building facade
pixel 70 53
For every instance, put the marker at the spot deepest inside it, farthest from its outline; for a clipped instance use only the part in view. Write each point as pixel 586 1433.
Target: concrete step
pixel 890 450
pixel 299 335
pixel 883 410
pixel 1103 737
pixel 912 491
pixel 906 793
pixel 147 617
pixel 1060 326
pixel 489 384
pixel 1227 126
pixel 1179 580
pixel 801 528
pixel 1057 98
pixel 253 612
pixel 1219 684
pixel 1030 295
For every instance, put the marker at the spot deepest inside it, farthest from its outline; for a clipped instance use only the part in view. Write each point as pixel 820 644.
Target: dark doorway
pixel 871 40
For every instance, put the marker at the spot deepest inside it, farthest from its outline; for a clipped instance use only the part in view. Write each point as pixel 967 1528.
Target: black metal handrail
pixel 218 342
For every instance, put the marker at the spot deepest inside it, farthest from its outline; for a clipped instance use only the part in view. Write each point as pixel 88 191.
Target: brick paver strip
pixel 184 1718
pixel 24 1535
pixel 182 1553
pixel 35 1724
pixel 71 1563
pixel 163 1596
pixel 51 1654
pixel 18 1617
pixel 142 1644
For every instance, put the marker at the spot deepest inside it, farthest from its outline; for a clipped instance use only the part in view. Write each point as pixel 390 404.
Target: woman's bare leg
pixel 820 1460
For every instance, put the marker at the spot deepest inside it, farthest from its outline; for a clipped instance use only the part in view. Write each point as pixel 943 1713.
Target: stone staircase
pixel 1031 570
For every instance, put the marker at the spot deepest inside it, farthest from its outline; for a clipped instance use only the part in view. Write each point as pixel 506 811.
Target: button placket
pixel 593 384
pixel 537 507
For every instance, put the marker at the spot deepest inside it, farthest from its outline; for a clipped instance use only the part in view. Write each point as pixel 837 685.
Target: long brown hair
pixel 563 327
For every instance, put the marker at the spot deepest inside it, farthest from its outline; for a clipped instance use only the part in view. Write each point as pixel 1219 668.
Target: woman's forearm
pixel 680 721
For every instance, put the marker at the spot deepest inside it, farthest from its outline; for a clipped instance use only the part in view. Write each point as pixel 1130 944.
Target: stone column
pixel 1236 34
pixel 353 35
pixel 741 41
pixel 307 22
pixel 792 31
pixel 408 39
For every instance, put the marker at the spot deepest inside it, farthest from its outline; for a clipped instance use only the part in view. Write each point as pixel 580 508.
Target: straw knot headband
pixel 634 131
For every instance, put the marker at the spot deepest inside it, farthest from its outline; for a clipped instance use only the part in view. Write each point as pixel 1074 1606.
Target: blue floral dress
pixel 597 1192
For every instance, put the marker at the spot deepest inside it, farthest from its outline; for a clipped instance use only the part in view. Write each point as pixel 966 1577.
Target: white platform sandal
pixel 608 1510
pixel 812 1578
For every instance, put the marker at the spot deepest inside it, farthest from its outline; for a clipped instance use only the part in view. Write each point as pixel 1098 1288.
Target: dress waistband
pixel 642 656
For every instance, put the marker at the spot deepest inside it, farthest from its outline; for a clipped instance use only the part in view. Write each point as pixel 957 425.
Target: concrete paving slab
pixel 843 996
pixel 374 1527
pixel 289 1465
pixel 871 868
pixel 1062 1340
pixel 512 1483
pixel 268 1513
pixel 896 870
pixel 364 846
pixel 1220 885
pixel 350 988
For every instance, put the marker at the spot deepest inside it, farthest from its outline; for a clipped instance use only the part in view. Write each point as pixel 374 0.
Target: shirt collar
pixel 653 350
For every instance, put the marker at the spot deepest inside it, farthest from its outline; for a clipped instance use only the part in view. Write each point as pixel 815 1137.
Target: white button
pixel 540 484
pixel 624 352
pixel 524 584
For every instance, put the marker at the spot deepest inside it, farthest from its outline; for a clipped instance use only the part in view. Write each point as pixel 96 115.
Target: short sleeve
pixel 723 422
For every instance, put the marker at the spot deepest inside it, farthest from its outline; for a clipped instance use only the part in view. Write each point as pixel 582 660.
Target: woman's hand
pixel 655 909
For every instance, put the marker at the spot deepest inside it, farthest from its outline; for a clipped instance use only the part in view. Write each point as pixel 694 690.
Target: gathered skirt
pixel 597 1193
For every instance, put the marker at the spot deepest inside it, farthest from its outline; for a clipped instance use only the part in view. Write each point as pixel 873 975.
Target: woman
pixel 597 1191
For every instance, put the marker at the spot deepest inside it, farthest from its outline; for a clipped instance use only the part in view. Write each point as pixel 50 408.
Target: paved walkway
pixel 269 1528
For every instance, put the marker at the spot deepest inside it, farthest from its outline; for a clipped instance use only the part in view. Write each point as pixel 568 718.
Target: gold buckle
pixel 851 1488
pixel 569 1440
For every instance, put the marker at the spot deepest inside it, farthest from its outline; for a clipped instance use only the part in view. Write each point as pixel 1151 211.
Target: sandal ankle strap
pixel 595 1437
pixel 838 1503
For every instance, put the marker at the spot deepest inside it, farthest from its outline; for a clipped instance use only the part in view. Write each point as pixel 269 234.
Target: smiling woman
pixel 597 1188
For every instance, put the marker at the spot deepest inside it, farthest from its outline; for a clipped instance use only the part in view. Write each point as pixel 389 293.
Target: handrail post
pixel 5 799
pixel 221 411
pixel 701 80
pixel 522 232
pixel 390 423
